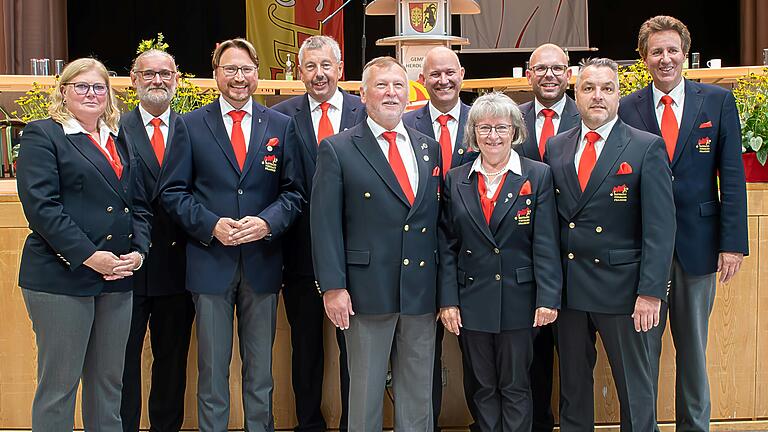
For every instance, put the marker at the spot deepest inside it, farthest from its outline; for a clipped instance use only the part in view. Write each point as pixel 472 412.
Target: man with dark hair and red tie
pixel 700 127
pixel 322 111
pixel 235 187
pixel 443 118
pixel 374 209
pixel 160 299
pixel 549 113
pixel 613 188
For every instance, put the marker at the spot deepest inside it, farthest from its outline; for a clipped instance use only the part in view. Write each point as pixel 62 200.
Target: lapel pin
pixel 346 128
pixel 509 195
pixel 426 158
pixel 269 148
pixel 424 146
pixel 528 202
pixel 506 200
pixel 461 151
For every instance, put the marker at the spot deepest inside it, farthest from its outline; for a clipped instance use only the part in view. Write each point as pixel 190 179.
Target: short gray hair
pixel 149 53
pixel 494 104
pixel 319 42
pixel 598 62
pixel 384 62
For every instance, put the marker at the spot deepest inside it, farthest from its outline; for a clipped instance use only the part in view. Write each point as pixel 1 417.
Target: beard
pixel 155 95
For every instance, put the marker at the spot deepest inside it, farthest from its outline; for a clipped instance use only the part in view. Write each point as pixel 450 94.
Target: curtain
pixel 754 31
pixel 31 29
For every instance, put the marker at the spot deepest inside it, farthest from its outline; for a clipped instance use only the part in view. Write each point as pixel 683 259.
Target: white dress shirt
pixel 334 111
pixel 165 120
pixel 603 131
pixel 558 108
pixel 72 127
pixel 678 100
pixel 513 164
pixel 403 146
pixel 453 122
pixel 246 123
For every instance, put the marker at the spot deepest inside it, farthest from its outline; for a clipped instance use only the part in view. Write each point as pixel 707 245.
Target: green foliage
pixel 751 93
pixel 34 104
pixel 149 44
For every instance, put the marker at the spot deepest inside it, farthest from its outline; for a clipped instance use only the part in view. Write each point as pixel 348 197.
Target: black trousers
pixel 305 313
pixel 500 364
pixel 169 318
pixel 437 381
pixel 627 352
pixel 541 378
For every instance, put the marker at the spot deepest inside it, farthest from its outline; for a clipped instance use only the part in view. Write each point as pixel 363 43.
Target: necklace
pixel 493 174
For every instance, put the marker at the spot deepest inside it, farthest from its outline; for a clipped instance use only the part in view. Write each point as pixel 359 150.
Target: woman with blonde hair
pixel 78 186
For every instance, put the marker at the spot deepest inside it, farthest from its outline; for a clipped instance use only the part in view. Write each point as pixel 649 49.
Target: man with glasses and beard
pixel 160 298
pixel 322 111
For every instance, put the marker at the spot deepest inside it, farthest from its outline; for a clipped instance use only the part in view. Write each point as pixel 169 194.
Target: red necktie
pixel 238 139
pixel 446 147
pixel 158 144
pixel 669 128
pixel 486 203
pixel 588 159
pixel 325 128
pixel 111 154
pixel 547 130
pixel 398 167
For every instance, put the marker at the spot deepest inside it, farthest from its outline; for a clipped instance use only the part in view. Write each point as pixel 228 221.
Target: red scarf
pixel 486 203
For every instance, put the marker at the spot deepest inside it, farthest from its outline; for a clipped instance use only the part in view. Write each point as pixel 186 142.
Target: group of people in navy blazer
pixel 523 230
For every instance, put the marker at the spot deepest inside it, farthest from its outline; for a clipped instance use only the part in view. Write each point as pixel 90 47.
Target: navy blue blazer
pixel 298 256
pixel 366 237
pixel 617 237
pixel 499 273
pixel 76 205
pixel 202 182
pixel 421 120
pixel 569 120
pixel 709 143
pixel 164 268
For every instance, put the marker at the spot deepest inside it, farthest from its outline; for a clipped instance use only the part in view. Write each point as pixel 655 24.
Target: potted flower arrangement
pixel 751 93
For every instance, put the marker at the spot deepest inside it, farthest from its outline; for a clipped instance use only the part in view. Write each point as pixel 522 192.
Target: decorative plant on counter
pixel 188 97
pixel 751 93
pixel 633 77
pixel 34 104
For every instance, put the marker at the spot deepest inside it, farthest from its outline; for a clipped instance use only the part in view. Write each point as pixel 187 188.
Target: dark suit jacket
pixel 530 147
pixel 617 237
pixel 202 182
pixel 165 267
pixel 709 143
pixel 520 244
pixel 75 206
pixel 298 259
pixel 421 120
pixel 366 237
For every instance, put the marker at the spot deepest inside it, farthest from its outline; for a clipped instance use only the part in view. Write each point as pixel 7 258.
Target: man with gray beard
pixel 160 298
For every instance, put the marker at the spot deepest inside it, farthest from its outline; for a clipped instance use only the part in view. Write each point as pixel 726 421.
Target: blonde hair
pixel 238 43
pixel 662 23
pixel 58 109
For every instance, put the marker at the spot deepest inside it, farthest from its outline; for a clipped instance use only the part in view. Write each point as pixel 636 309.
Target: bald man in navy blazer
pixel 703 138
pixel 374 245
pixel 617 222
pixel 235 199
pixel 321 66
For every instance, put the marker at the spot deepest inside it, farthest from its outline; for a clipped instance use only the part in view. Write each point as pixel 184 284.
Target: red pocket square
pixel 435 172
pixel 707 124
pixel 624 168
pixel 273 142
pixel 526 189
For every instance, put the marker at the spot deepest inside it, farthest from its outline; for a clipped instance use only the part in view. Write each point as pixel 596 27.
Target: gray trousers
pixel 408 342
pixel 256 330
pixel 78 338
pixel 689 306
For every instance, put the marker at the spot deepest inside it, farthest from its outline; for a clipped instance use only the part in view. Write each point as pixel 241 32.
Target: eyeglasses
pixel 541 70
pixel 502 130
pixel 81 88
pixel 231 70
pixel 149 75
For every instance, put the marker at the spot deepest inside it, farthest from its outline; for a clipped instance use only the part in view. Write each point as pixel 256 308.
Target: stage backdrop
pixel 522 25
pixel 278 27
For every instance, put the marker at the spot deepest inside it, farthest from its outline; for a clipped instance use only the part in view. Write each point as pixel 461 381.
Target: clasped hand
pixel 232 232
pixel 112 267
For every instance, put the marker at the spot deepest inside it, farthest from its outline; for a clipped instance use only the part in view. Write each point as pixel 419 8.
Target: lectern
pixel 421 25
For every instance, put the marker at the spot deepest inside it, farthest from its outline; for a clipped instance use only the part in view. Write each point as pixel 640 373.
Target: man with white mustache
pixel 322 111
pixel 160 299
pixel 613 188
pixel 443 118
pixel 374 210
